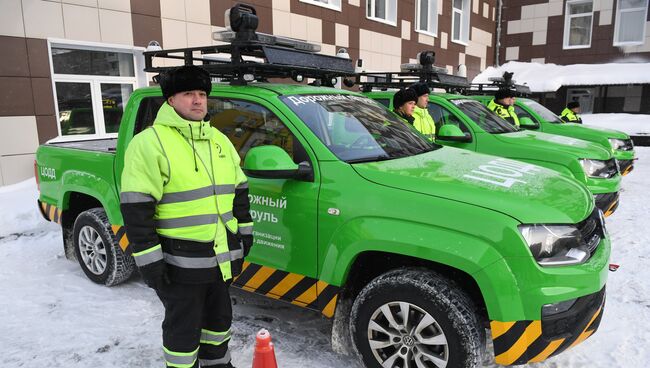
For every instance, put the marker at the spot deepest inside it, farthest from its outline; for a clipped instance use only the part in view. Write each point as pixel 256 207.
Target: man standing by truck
pixel 423 122
pixel 503 105
pixel 570 113
pixel 184 200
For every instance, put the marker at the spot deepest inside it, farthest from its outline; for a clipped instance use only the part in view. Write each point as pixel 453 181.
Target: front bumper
pixel 625 166
pixel 521 342
pixel 607 202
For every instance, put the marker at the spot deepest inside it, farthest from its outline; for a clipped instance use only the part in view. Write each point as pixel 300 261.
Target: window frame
pixel 567 24
pixel 381 20
pixel 618 23
pixel 465 15
pixel 324 5
pixel 95 81
pixel 433 4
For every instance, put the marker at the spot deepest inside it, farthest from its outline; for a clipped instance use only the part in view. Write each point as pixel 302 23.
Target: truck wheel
pixel 97 250
pixel 412 318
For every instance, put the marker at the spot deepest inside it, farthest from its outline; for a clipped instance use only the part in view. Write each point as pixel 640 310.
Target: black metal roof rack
pixel 504 82
pixel 273 56
pixel 425 71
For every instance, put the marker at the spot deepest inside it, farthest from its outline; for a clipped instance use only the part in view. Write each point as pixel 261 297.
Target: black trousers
pixel 197 316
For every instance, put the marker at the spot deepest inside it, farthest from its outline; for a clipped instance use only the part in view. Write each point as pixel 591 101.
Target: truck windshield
pixel 542 111
pixel 357 129
pixel 484 117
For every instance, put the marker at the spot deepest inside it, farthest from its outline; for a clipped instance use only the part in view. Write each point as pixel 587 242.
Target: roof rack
pixel 274 56
pixel 425 72
pixel 503 82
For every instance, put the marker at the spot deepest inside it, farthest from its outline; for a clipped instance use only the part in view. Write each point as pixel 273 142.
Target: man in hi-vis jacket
pixel 184 200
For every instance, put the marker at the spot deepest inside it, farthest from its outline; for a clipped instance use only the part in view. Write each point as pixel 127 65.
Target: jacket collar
pixel 195 130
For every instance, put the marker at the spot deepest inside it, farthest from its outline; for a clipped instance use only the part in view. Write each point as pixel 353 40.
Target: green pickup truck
pixel 413 248
pixel 466 123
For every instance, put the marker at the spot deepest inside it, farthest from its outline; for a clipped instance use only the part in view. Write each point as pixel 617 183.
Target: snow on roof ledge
pixel 550 77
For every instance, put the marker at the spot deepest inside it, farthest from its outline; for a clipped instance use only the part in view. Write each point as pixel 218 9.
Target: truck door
pixel 282 262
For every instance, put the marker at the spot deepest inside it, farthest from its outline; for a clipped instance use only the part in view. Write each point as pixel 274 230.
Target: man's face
pixel 423 101
pixel 190 105
pixel 576 110
pixel 508 101
pixel 408 108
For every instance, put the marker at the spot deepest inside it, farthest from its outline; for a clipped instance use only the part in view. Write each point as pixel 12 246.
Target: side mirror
pixel 452 133
pixel 527 123
pixel 272 162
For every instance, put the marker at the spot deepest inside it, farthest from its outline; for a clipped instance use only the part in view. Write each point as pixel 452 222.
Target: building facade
pixel 68 66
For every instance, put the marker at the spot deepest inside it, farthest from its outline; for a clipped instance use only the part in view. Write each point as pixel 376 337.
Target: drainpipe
pixel 498 32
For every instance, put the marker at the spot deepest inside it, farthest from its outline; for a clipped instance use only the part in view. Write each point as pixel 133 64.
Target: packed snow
pixel 632 124
pixel 53 316
pixel 550 77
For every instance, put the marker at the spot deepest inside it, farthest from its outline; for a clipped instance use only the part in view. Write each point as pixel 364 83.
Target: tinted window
pixel 442 116
pixel 357 129
pixel 543 112
pixel 521 113
pixel 484 117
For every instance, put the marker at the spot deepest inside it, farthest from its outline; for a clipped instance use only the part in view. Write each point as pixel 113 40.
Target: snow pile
pixel 632 124
pixel 550 77
pixel 19 210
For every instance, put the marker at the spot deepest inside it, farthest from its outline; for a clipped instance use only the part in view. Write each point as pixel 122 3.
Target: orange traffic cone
pixel 264 354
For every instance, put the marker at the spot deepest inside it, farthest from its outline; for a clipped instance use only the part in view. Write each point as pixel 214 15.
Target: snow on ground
pixel 550 77
pixel 632 124
pixel 53 316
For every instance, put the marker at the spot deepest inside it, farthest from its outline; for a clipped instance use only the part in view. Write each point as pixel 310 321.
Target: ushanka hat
pixel 421 89
pixel 403 96
pixel 184 78
pixel 573 104
pixel 504 93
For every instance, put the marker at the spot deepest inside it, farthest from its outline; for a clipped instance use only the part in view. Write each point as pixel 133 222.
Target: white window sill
pixel 576 47
pixel 460 42
pixel 427 33
pixel 322 5
pixel 629 43
pixel 380 20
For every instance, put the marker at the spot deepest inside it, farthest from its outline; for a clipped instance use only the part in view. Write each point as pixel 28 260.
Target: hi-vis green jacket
pixel 569 116
pixel 506 113
pixel 424 123
pixel 184 199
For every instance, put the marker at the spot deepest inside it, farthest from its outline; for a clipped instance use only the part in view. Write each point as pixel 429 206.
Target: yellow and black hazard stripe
pixel 50 212
pixel 120 235
pixel 291 287
pixel 522 342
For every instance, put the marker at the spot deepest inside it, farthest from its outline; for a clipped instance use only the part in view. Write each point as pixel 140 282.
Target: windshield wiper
pixel 369 159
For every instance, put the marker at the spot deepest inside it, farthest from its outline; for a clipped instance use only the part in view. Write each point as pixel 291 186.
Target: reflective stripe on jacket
pixel 506 113
pixel 191 172
pixel 570 116
pixel 424 123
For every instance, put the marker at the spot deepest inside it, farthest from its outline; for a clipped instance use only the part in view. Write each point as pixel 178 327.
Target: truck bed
pixel 101 145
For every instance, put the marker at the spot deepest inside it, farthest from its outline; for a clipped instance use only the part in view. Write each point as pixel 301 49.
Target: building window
pixel 330 4
pixel 384 11
pixel 577 24
pixel 631 18
pixel 460 21
pixel 92 88
pixel 426 16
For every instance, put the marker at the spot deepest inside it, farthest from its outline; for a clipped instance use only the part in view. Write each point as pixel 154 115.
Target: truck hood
pixel 528 193
pixel 545 142
pixel 580 131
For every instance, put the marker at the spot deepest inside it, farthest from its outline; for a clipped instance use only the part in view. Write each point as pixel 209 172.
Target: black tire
pixel 453 333
pixel 102 261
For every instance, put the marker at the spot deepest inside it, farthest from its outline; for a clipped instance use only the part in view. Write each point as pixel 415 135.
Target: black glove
pixel 247 243
pixel 155 274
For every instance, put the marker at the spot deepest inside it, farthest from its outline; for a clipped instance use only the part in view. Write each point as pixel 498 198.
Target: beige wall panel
pixel 540 24
pixel 513 27
pixel 81 23
pixel 426 39
pixel 605 17
pixel 528 12
pixel 298 26
pixel 461 58
pixel 314 30
pixel 481 36
pixel 342 35
pixel 486 10
pixel 19 135
pixel 512 53
pixel 555 8
pixel 115 27
pixel 539 38
pixel 90 3
pixel 476 49
pixel 537 60
pixel 354 2
pixel 197 11
pixel 541 10
pixel 284 5
pixel 475 5
pixel 328 49
pixel 16 168
pixel 174 33
pixel 172 9
pixel 43 19
pixel 11 18
pixel 281 23
pixel 443 40
pixel 440 8
pixel 198 34
pixel 406 29
pixel 119 5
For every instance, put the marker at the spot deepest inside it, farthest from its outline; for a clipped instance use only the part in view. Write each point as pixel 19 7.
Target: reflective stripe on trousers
pixel 180 360
pixel 214 338
pixel 209 362
pixel 203 262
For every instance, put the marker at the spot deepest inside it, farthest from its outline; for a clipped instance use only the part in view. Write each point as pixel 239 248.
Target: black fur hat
pixel 403 96
pixel 573 104
pixel 421 89
pixel 184 78
pixel 503 93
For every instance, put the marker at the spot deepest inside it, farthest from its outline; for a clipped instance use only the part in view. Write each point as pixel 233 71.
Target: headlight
pixel 617 143
pixel 599 168
pixel 555 245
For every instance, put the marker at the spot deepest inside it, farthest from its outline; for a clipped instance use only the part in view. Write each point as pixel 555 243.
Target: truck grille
pixel 592 231
pixel 612 168
pixel 625 166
